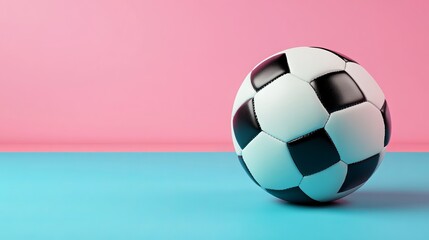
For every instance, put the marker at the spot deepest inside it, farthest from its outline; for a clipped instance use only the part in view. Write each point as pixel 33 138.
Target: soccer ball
pixel 310 125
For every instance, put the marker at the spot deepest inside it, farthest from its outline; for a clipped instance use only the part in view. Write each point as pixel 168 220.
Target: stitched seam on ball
pixel 296 76
pixel 273 137
pixel 249 142
pixel 335 146
pixel 234 111
pixel 378 153
pixel 302 178
pixel 320 75
pixel 257 122
pixel 326 122
pixel 345 163
pixel 335 53
pixel 350 105
pixel 254 113
pixel 305 135
pixel 376 106
pixel 266 84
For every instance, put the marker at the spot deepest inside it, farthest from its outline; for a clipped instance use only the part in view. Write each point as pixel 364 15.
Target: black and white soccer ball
pixel 310 125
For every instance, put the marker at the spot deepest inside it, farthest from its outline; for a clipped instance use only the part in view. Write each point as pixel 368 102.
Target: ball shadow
pixel 333 204
pixel 374 200
pixel 388 199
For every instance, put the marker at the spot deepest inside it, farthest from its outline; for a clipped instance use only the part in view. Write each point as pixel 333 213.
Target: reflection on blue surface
pixel 195 196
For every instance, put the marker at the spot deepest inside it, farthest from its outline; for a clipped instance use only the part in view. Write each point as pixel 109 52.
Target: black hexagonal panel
pixel 269 70
pixel 337 90
pixel 344 57
pixel 387 123
pixel 245 124
pixel 293 195
pixel 359 172
pixel 243 164
pixel 313 152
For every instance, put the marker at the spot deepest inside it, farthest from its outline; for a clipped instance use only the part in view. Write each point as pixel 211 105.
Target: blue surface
pixel 195 196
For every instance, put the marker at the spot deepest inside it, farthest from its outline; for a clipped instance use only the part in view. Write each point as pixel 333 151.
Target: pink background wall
pixel 145 73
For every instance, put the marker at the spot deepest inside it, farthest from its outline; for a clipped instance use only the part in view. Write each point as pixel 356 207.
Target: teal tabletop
pixel 196 196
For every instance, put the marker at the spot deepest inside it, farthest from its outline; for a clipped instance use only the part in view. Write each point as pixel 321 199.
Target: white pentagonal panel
pixel 309 63
pixel 366 83
pixel 357 132
pixel 270 163
pixel 289 108
pixel 324 185
pixel 245 92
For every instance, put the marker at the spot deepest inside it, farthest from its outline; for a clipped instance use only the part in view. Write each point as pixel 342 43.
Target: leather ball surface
pixel 310 125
